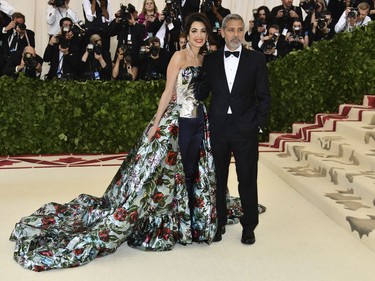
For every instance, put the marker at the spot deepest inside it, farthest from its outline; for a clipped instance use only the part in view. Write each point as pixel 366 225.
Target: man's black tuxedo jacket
pixel 250 96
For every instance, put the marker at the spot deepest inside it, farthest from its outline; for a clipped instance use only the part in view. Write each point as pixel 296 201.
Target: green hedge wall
pixel 41 117
pixel 81 117
pixel 322 77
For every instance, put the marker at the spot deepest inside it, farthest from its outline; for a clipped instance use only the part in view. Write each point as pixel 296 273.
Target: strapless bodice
pixel 185 90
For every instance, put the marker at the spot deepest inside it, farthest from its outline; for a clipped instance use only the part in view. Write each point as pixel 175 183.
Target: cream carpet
pixel 295 240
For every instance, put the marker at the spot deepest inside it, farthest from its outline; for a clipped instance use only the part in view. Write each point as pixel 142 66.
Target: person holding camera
pixel 26 61
pixel 297 38
pixel 215 13
pixel 58 9
pixel 353 17
pixel 273 45
pixel 154 61
pixel 150 17
pixel 96 62
pixel 63 52
pixel 322 28
pixel 171 27
pixel 258 26
pixel 285 14
pixel 98 14
pixel 130 34
pixel 123 69
pixel 17 36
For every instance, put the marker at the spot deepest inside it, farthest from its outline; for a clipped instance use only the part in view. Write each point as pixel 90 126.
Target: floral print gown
pixel 146 204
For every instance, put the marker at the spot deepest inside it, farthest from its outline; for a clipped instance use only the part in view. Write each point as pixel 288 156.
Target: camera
pixel 21 26
pixel 322 22
pixel 64 43
pixel 353 13
pixel 270 43
pixel 94 48
pixel 125 15
pixel 57 3
pixel 78 29
pixel 154 50
pixel 127 52
pixel 30 61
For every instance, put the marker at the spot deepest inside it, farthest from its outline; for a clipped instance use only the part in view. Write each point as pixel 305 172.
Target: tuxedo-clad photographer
pixel 258 27
pixel 26 61
pixel 353 17
pixel 96 62
pixel 322 28
pixel 130 34
pixel 273 44
pixel 63 52
pixel 16 35
pixel 171 27
pixel 98 14
pixel 297 38
pixel 154 61
pixel 215 13
pixel 56 10
pixel 285 14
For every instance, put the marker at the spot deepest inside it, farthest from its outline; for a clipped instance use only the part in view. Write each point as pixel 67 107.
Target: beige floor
pixel 295 241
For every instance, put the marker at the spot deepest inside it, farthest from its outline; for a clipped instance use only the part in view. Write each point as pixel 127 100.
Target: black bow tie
pixel 228 53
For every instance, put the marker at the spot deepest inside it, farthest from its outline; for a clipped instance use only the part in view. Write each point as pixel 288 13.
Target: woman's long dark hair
pixel 199 17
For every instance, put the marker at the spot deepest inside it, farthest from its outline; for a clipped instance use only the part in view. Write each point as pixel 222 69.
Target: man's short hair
pixel 154 39
pixel 363 6
pixel 17 15
pixel 231 17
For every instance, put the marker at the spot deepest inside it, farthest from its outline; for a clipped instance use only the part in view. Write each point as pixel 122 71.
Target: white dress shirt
pixel 54 15
pixel 230 66
pixel 90 17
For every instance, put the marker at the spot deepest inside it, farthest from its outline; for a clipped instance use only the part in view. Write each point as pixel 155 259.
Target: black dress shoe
pixel 248 237
pixel 219 232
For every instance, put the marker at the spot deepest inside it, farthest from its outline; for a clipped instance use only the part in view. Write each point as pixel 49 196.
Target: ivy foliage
pixel 320 78
pixel 42 117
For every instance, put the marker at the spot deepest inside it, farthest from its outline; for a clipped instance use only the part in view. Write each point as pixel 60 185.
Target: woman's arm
pixel 172 73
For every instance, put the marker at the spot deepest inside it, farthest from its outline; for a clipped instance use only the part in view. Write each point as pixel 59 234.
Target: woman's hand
pixel 151 133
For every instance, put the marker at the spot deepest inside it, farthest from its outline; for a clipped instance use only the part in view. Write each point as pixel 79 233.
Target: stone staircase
pixel 332 164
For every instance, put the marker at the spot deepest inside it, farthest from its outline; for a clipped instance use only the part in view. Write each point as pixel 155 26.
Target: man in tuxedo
pixel 238 81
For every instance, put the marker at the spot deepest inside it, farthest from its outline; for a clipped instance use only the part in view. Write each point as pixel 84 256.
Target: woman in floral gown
pixel 152 202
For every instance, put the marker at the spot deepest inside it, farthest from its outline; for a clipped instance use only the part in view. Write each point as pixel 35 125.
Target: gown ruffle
pixel 146 205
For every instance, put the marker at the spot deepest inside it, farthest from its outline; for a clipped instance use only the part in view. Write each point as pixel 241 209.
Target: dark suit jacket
pixel 250 97
pixel 70 63
pixel 22 42
pixel 14 59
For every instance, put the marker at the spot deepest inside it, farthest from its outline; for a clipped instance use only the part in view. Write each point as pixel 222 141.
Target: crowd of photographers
pixel 80 49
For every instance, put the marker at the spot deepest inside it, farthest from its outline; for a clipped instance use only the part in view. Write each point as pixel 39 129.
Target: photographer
pixel 56 10
pixel 322 28
pixel 26 61
pixel 123 69
pixel 285 14
pixel 215 13
pixel 273 44
pixel 96 61
pixel 297 38
pixel 171 27
pixel 258 27
pixel 17 36
pixel 154 61
pixel 98 15
pixel 353 17
pixel 63 52
pixel 130 34
pixel 150 17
